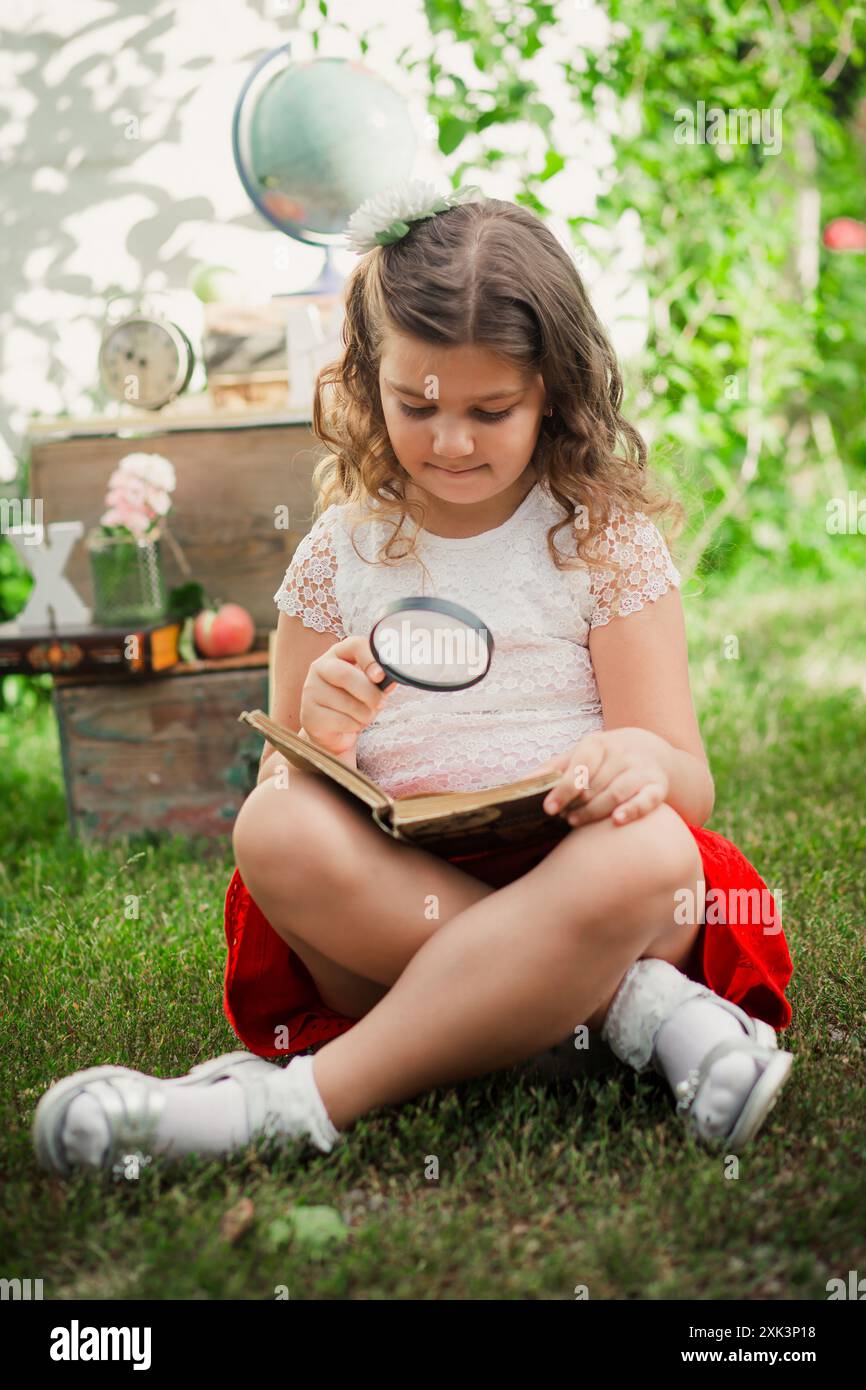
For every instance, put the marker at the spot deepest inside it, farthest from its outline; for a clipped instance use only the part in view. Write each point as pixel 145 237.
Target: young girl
pixel 473 419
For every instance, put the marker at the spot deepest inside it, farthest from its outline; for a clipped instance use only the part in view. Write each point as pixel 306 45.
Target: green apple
pixel 215 283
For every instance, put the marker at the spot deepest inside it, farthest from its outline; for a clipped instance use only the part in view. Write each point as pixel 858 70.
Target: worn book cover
pixel 444 823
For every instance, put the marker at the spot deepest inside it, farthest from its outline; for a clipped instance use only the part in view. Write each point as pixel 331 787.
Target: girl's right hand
pixel 340 697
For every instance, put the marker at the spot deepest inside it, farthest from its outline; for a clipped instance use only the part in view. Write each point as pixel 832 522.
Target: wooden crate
pixel 164 753
pixel 232 477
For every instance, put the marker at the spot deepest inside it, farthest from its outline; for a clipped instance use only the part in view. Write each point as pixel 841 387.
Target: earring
pixel 549 410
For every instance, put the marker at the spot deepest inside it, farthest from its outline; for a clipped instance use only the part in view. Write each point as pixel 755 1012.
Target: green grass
pixel 542 1186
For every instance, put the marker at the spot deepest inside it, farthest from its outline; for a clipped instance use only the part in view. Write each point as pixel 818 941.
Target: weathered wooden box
pixel 166 753
pixel 243 501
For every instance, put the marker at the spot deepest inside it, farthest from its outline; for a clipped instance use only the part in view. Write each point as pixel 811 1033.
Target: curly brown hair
pixel 488 274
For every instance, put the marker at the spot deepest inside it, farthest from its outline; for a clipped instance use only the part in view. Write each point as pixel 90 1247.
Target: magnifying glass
pixel 431 643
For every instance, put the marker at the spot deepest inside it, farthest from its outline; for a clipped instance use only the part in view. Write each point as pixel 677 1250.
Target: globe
pixel 313 139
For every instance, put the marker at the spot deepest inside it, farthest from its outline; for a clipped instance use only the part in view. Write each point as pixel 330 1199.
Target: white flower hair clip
pixel 386 216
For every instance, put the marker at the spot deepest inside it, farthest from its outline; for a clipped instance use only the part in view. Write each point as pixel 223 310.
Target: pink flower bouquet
pixel 138 496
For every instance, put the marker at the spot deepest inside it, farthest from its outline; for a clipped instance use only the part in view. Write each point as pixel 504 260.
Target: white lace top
pixel 540 694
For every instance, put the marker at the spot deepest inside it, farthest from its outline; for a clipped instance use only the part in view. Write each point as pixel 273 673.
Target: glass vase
pixel 128 582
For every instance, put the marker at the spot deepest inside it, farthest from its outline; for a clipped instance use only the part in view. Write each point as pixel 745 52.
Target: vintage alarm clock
pixel 145 359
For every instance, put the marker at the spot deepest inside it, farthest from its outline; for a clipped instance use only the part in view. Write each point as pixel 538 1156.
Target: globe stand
pixel 330 281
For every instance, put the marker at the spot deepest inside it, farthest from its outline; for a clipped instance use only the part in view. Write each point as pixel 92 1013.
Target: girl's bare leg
pixel 353 903
pixel 316 865
pixel 501 979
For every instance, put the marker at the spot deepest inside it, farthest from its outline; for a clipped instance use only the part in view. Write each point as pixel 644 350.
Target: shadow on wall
pixel 83 128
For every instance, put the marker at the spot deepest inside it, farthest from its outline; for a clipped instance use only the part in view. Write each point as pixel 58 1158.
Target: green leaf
pixel 279 1232
pixel 541 114
pixel 451 132
pixel 186 600
pixel 553 162
pixel 519 91
pixel 314 1229
pixel 186 642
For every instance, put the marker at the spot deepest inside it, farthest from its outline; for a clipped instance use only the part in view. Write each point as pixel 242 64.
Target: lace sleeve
pixel 307 591
pixel 646 568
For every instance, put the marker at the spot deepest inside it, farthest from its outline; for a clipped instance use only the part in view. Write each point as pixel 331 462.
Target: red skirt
pixel 274 1007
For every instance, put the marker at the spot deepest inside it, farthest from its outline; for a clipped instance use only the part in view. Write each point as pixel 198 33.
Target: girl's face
pixel 462 422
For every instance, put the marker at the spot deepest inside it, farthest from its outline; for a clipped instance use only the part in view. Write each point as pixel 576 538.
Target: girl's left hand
pixel 613 772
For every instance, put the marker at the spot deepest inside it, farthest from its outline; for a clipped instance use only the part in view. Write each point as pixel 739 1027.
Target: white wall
pixel 117 170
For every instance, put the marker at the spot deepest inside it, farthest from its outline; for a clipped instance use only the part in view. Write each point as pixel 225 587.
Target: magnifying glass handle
pixel 385 681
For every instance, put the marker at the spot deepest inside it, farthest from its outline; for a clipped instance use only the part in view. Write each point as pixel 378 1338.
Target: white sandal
pixel 760 1042
pixel 132 1103
pixel 650 992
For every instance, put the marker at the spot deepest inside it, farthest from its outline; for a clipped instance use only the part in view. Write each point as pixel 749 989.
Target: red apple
pixel 227 631
pixel 845 234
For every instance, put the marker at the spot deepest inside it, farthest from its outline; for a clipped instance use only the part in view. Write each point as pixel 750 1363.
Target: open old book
pixel 444 823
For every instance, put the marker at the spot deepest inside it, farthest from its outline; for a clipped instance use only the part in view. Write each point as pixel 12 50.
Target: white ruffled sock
pixel 682 1043
pixel 323 1133
pixel 207 1118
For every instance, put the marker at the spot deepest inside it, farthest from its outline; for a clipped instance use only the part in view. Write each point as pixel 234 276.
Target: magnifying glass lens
pixel 432 644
